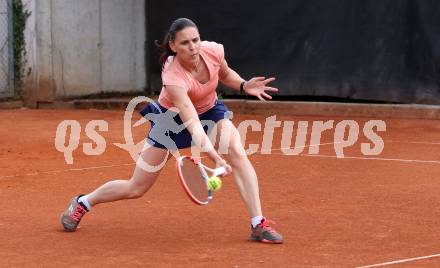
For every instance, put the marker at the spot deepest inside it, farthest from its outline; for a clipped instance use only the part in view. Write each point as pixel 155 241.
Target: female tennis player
pixel 191 70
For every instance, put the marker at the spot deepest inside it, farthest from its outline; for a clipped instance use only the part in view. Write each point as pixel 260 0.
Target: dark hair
pixel 176 26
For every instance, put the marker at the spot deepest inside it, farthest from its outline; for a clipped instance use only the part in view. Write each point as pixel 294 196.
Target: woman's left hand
pixel 257 87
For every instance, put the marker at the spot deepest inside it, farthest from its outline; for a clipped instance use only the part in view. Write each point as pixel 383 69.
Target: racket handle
pixel 219 171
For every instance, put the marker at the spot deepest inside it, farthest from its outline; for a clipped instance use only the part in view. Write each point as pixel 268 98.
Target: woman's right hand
pixel 222 163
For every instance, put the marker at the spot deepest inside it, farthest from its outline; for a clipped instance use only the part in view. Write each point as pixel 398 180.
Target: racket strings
pixel 194 180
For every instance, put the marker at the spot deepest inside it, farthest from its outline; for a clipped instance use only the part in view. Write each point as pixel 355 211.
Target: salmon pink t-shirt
pixel 203 96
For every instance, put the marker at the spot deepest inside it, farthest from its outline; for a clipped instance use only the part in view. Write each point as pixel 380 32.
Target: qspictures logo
pixel 346 134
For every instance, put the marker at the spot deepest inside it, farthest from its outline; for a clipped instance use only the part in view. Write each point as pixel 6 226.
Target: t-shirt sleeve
pixel 172 78
pixel 219 51
pixel 216 51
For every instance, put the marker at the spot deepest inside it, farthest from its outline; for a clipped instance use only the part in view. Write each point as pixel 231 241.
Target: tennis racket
pixel 193 176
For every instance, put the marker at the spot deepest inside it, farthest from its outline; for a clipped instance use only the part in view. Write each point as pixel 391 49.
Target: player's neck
pixel 192 67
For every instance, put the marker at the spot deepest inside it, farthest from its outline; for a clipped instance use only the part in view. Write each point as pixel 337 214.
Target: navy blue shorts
pixel 167 130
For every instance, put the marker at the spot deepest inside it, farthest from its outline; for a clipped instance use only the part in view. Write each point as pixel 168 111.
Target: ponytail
pixel 165 48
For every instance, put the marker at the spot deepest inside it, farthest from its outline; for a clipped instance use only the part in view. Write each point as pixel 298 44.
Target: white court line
pixel 64 170
pixel 400 261
pixel 306 146
pixel 309 155
pixel 374 158
pixel 99 167
pixel 353 157
pixel 416 142
pixel 332 143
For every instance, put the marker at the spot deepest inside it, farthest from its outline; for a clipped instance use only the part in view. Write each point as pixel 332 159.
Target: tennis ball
pixel 214 183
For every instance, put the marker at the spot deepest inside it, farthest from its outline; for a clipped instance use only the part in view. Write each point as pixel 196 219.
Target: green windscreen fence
pixel 6 52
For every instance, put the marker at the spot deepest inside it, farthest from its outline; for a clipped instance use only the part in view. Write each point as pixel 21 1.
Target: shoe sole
pixel 265 241
pixel 67 227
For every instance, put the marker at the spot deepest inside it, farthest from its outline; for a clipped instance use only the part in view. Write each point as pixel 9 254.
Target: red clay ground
pixel 332 212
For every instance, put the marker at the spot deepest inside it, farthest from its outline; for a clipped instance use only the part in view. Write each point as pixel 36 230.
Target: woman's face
pixel 187 45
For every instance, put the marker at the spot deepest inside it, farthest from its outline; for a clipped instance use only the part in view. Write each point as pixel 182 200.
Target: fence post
pixel 11 47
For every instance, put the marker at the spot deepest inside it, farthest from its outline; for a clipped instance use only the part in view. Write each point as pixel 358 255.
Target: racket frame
pixel 203 170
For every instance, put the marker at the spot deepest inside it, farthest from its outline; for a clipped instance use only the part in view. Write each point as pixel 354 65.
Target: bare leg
pixel 242 169
pixel 140 182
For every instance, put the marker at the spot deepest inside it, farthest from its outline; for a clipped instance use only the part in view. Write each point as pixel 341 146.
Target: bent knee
pixel 236 154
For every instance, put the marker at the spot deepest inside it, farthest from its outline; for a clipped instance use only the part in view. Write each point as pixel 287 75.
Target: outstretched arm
pixel 189 116
pixel 257 86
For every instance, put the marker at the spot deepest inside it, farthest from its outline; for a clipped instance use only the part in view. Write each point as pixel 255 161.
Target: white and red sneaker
pixel 265 234
pixel 71 217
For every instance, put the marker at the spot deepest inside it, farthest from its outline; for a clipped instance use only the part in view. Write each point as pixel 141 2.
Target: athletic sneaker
pixel 266 234
pixel 71 217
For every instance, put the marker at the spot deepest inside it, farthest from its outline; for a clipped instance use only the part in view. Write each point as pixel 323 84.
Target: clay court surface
pixel 332 212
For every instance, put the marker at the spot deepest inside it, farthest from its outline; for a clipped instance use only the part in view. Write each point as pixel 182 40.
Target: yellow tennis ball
pixel 214 183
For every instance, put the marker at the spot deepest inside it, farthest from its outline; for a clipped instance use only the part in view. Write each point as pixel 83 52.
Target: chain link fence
pixel 6 50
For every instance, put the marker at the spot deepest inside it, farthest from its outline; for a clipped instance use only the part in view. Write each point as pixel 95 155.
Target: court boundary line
pixel 414 142
pixel 300 155
pixel 64 170
pixel 106 166
pixel 400 261
pixel 372 158
pixel 304 155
